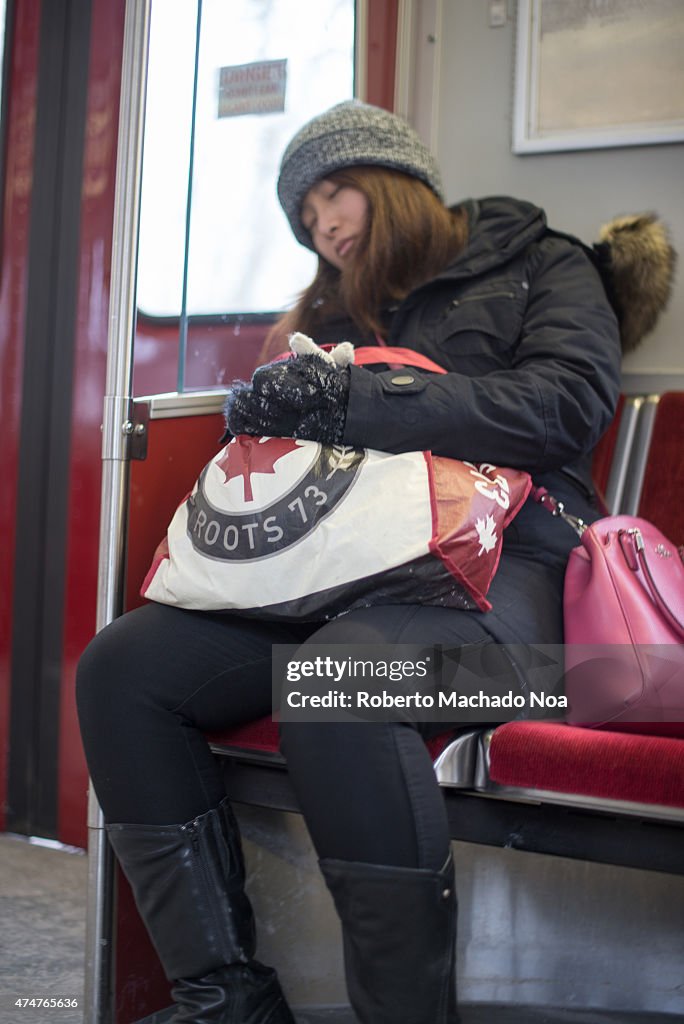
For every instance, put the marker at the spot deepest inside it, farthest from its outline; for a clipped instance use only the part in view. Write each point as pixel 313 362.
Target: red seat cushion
pixel 568 759
pixel 262 735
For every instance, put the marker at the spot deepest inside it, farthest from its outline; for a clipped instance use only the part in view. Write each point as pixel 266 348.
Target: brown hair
pixel 410 236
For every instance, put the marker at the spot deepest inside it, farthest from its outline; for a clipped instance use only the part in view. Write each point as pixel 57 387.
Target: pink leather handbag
pixel 623 610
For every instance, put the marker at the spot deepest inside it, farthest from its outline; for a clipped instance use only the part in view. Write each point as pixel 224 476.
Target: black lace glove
pixel 305 397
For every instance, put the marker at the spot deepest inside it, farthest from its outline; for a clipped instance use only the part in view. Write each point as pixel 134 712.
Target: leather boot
pixel 188 884
pixel 399 932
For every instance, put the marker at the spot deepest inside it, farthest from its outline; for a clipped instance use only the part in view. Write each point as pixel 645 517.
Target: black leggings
pixel 154 681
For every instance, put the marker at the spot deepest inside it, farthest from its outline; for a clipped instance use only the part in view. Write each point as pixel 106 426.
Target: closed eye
pixel 310 219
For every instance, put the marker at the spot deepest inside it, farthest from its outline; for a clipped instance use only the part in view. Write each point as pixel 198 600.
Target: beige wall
pixel 579 190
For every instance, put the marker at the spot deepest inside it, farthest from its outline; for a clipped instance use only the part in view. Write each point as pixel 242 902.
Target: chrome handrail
pixel 115 442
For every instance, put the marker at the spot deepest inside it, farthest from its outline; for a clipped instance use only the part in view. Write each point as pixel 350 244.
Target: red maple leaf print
pixel 246 455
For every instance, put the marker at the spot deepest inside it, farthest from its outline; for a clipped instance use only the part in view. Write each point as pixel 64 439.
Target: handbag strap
pixel 557 508
pixel 631 542
pixel 394 356
pixel 366 355
pixel 637 549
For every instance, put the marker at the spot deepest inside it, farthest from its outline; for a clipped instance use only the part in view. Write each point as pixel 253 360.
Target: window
pixel 228 86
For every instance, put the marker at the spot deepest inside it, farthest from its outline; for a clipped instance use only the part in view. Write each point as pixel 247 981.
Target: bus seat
pixel 605 450
pixel 661 496
pixel 585 765
pixel 454 755
pixel 612 454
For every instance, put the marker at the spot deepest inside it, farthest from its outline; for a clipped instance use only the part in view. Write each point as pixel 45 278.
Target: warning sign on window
pixel 252 88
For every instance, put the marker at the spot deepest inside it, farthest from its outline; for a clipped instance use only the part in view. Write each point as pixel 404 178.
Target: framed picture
pixel 591 74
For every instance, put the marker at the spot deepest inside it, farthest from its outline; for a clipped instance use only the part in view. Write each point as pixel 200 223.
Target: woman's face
pixel 336 217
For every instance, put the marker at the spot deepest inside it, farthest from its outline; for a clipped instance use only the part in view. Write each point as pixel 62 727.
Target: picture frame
pixel 593 74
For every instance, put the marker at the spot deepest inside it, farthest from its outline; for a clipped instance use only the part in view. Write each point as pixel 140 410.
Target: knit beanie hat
pixel 347 135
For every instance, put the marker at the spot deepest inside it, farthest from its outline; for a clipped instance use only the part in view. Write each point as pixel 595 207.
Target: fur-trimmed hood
pixel 637 262
pixel 634 256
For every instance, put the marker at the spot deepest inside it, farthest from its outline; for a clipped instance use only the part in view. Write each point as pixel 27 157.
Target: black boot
pixel 188 883
pixel 399 932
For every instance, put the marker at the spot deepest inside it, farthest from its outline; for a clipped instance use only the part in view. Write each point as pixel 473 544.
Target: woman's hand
pixel 305 397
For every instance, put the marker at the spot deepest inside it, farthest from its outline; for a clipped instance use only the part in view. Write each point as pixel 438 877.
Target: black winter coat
pixel 522 323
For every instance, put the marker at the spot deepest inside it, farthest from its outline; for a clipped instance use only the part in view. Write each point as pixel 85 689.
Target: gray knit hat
pixel 349 134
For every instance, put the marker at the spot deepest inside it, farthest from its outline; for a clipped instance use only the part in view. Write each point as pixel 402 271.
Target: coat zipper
pixel 480 298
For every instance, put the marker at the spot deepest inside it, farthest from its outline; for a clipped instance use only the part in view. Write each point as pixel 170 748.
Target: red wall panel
pixel 176 452
pixel 22 59
pixel 382 46
pixel 97 201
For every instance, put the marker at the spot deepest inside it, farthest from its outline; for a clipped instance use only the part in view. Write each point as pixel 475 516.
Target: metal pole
pixel 115 436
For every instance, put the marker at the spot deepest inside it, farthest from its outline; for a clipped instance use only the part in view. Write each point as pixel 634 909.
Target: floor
pixel 42 910
pixel 488 1013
